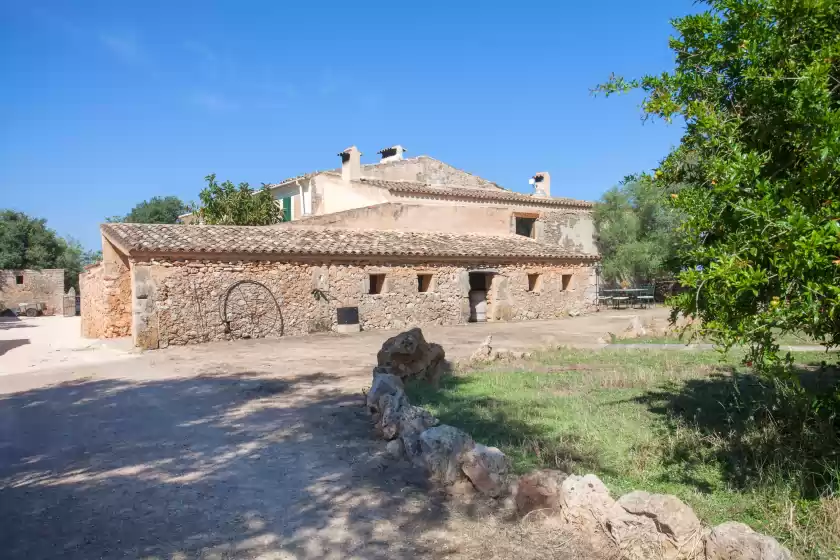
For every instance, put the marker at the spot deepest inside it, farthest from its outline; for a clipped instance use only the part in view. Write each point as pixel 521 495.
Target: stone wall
pixel 39 286
pixel 105 296
pixel 425 169
pixel 572 229
pixel 184 302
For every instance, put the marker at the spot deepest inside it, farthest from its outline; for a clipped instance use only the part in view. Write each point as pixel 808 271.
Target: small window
pixel 424 282
pixel 567 281
pixel 19 279
pixel 377 283
pixel 533 282
pixel 525 226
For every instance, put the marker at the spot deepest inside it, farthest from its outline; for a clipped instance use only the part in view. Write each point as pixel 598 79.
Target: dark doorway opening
pixel 480 283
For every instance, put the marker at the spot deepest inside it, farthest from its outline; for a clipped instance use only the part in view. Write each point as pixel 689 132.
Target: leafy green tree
pixel 636 232
pixel 757 83
pixel 157 210
pixel 27 242
pixel 227 204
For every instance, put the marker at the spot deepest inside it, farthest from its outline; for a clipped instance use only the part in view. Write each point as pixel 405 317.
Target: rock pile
pixel 637 526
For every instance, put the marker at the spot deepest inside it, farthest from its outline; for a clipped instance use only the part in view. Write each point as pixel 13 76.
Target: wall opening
pixel 534 282
pixel 479 295
pixel 19 279
pixel 424 282
pixel 377 284
pixel 525 226
pixel 567 281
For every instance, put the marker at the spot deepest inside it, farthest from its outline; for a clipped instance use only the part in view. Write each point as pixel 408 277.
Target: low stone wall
pixel 190 301
pixel 636 526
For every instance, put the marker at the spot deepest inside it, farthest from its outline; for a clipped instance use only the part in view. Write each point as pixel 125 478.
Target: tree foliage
pixel 757 83
pixel 227 204
pixel 157 210
pixel 27 242
pixel 636 232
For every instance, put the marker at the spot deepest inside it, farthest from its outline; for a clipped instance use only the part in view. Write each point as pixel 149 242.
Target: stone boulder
pixel 486 468
pixel 383 384
pixel 443 448
pixel 538 490
pixel 585 504
pixel 394 449
pixel 736 541
pixel 414 420
pixel 647 525
pixel 390 413
pixel 409 356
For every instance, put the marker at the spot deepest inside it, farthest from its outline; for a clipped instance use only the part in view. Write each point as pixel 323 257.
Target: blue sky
pixel 105 104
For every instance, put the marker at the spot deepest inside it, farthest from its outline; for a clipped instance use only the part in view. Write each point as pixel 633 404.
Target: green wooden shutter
pixel 287 209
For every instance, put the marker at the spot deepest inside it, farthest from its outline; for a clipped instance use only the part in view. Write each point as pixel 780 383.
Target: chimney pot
pixel 351 164
pixel 542 184
pixel 394 153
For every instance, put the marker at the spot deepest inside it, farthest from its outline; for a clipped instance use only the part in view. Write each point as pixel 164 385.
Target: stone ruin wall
pixel 181 299
pixel 39 286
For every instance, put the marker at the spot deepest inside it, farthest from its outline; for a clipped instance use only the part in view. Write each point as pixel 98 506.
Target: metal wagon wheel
pixel 250 310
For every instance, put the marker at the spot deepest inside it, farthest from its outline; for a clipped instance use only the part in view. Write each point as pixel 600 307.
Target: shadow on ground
pixel 226 466
pixel 6 345
pixel 758 431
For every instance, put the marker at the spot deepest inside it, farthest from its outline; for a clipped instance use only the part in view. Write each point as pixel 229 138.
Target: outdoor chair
pixel 646 297
pixel 604 300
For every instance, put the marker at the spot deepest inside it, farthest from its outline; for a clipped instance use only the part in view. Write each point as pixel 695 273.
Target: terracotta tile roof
pixel 412 187
pixel 313 240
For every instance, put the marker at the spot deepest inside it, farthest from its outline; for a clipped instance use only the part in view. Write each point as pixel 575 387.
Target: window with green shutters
pixel 287 210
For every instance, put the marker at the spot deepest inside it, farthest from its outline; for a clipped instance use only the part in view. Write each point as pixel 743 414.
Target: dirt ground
pixel 247 449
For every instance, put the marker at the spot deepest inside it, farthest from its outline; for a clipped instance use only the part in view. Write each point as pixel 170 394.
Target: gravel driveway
pixel 250 449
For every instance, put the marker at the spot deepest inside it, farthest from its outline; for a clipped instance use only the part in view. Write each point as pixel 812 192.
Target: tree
pixel 757 83
pixel 635 225
pixel 226 204
pixel 26 242
pixel 157 210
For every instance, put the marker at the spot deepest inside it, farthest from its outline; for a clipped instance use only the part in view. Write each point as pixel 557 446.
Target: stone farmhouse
pixel 33 286
pixel 403 242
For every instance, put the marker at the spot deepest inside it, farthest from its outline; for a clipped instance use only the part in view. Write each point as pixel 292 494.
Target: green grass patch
pixel 732 445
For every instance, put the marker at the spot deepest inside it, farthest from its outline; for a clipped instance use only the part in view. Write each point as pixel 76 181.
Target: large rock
pixel 647 525
pixel 383 384
pixel 443 449
pixel 585 504
pixel 390 413
pixel 414 420
pixel 736 541
pixel 538 490
pixel 585 501
pixel 486 468
pixel 409 356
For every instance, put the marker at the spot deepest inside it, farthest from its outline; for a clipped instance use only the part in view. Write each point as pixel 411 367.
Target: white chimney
pixel 542 184
pixel 351 164
pixel 394 153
